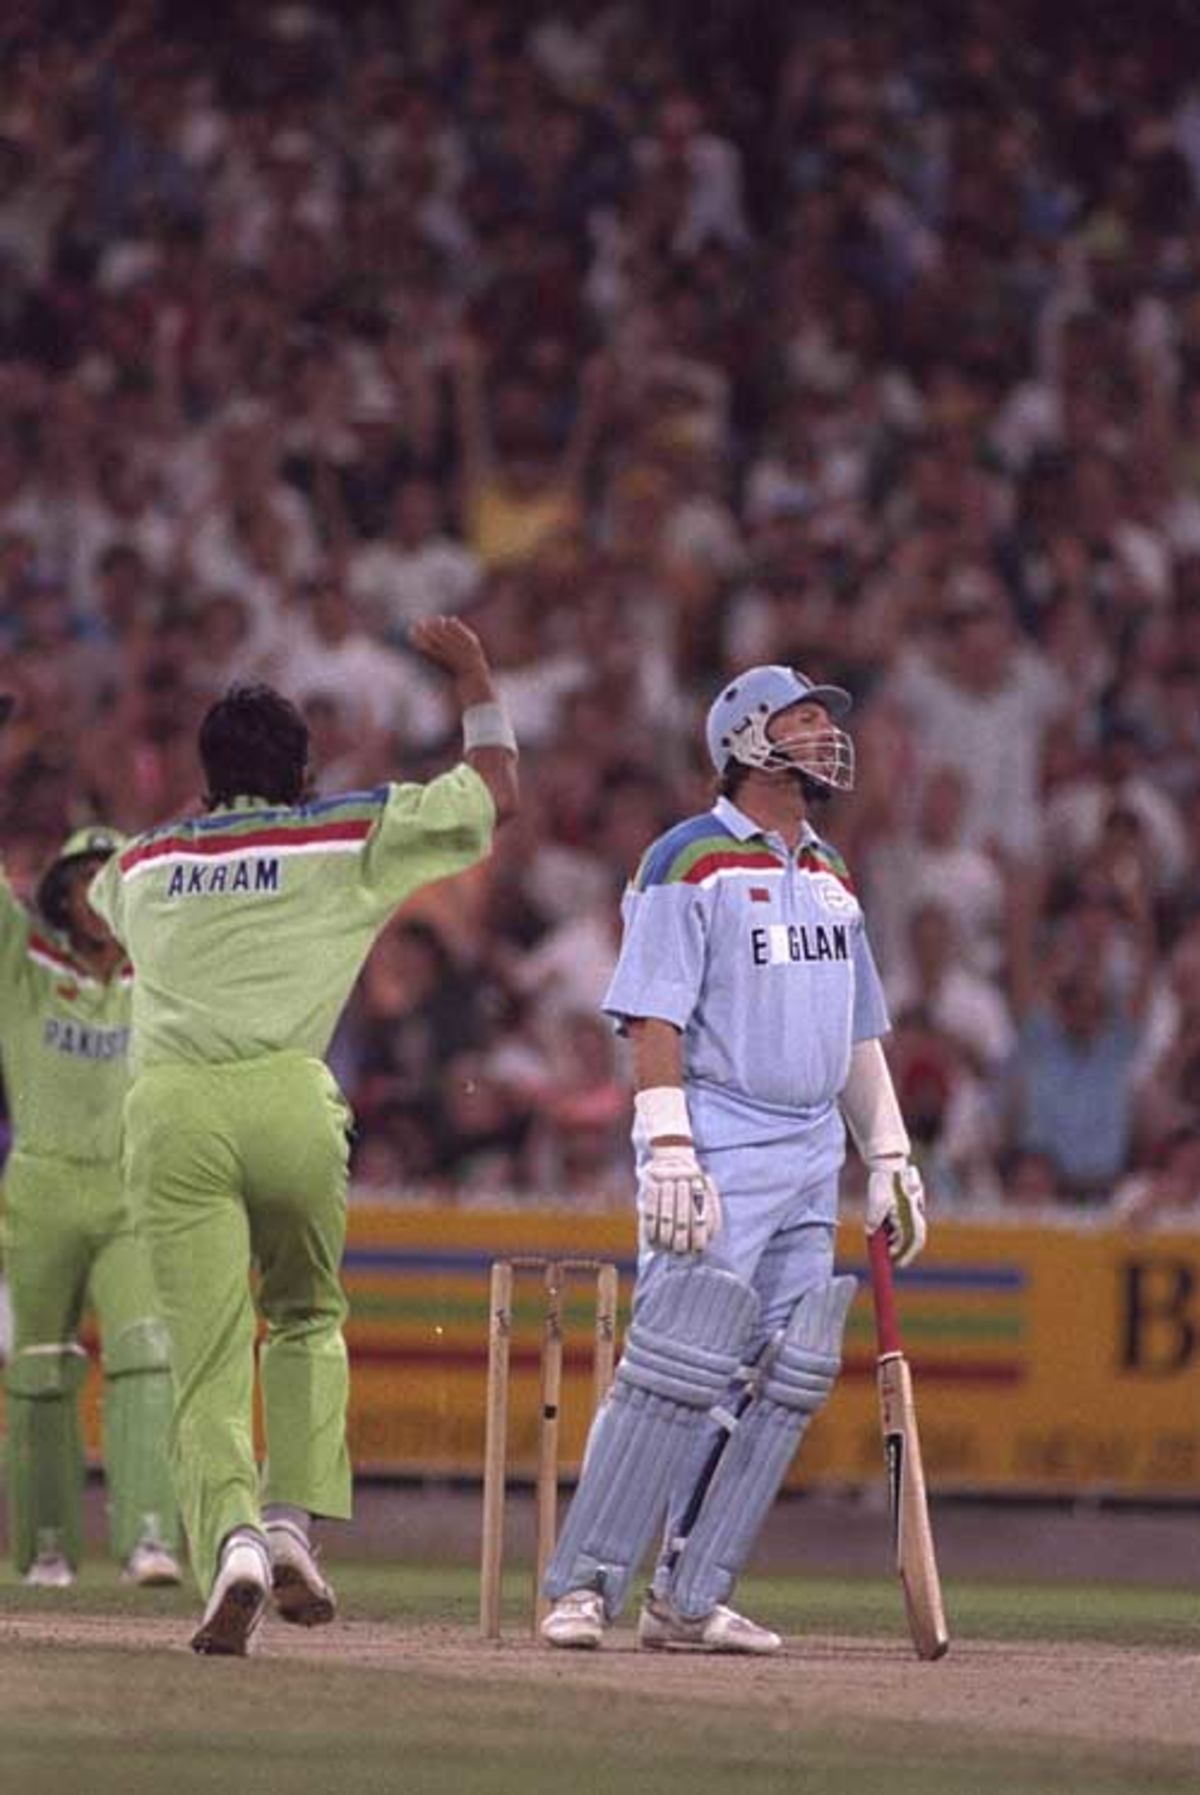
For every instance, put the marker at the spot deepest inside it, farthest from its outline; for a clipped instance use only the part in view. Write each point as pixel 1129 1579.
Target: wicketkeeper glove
pixel 678 1203
pixel 896 1203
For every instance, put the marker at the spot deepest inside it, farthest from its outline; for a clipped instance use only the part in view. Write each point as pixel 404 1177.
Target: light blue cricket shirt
pixel 761 958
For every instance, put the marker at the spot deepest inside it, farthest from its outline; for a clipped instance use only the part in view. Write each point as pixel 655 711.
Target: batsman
pixel 749 993
pixel 65 992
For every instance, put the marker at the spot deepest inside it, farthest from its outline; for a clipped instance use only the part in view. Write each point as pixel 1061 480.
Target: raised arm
pixel 489 744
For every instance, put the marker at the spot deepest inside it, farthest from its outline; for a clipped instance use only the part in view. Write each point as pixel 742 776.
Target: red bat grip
pixel 887 1328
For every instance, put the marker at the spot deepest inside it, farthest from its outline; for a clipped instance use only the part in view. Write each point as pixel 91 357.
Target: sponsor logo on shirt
pixel 228 878
pixel 759 894
pixel 833 894
pixel 81 1041
pixel 786 943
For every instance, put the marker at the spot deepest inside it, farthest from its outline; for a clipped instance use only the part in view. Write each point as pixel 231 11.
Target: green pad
pixel 140 1347
pixel 137 1417
pixel 45 1453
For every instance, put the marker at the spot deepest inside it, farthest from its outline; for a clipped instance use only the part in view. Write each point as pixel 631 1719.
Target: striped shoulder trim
pixel 343 834
pixel 661 855
pixel 357 804
pixel 371 800
pixel 818 857
pixel 735 861
pixel 699 850
pixel 44 953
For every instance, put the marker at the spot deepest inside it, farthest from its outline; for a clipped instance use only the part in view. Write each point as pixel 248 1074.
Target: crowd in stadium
pixel 872 349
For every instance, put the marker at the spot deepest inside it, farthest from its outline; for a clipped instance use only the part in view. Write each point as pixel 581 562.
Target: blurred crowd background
pixel 656 340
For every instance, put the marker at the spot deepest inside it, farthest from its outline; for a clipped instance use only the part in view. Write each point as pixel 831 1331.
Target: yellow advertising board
pixel 1047 1360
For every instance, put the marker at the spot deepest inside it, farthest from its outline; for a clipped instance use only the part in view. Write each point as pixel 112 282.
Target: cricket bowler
pixel 247 927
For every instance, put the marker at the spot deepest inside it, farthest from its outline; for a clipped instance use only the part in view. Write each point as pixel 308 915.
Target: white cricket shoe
pixel 660 1629
pixel 576 1620
pixel 302 1594
pixel 151 1566
pixel 49 1570
pixel 239 1597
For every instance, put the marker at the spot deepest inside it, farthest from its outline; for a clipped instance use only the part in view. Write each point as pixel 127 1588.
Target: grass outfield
pixel 135 1718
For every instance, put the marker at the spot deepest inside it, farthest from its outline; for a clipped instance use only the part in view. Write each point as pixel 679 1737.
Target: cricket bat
pixel 912 1539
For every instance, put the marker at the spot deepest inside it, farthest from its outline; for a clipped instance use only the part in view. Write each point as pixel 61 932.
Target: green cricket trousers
pixel 228 1164
pixel 70 1241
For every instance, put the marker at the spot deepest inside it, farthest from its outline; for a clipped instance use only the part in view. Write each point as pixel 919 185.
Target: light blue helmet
pixel 737 726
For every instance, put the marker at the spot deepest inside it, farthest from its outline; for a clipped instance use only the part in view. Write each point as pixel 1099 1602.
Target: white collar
pixel 742 827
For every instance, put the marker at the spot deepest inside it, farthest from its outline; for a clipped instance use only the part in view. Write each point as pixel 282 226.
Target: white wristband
pixel 487 726
pixel 663 1110
pixel 869 1105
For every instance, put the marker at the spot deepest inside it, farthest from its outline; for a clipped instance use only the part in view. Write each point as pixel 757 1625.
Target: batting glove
pixel 896 1203
pixel 678 1203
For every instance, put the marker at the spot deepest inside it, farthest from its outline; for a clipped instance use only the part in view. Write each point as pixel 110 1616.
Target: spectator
pixel 579 1143
pixel 569 968
pixel 1167 1075
pixel 1119 781
pixel 329 651
pixel 931 863
pixel 517 492
pixel 1031 1182
pixel 958 1002
pixel 712 345
pixel 414 1012
pixel 982 701
pixel 484 1129
pixel 698 175
pixel 1168 1190
pixel 414 570
pixel 951 1122
pixel 1071 1082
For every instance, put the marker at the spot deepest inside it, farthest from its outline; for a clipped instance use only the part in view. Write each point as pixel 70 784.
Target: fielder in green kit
pixel 65 989
pixel 246 928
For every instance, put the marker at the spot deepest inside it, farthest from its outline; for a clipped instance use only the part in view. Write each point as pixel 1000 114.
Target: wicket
pixel 554 1273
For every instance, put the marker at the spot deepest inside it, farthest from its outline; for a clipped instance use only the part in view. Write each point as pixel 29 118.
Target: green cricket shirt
pixel 247 927
pixel 64 1042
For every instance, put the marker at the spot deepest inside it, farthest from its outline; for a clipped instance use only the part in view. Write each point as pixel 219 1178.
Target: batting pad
pixel 684 1345
pixel 45 1452
pixel 801 1373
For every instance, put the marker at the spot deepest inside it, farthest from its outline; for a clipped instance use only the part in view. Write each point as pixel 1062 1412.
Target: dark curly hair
pixel 254 744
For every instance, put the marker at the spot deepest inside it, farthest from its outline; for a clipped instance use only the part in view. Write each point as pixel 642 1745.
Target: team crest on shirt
pixel 832 894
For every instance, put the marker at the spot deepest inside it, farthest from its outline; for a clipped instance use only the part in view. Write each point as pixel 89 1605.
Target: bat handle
pixel 887 1327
